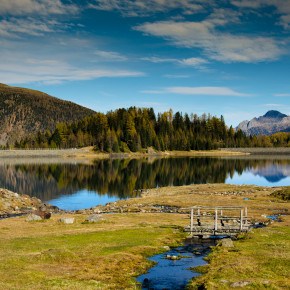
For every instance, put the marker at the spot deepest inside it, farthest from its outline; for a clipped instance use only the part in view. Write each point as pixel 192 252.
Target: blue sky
pixel 227 57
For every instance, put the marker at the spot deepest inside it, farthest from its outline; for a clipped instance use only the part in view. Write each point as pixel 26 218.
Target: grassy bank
pixel 261 258
pixel 106 255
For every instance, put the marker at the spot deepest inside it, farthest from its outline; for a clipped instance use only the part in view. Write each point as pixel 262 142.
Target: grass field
pixel 110 253
pixel 106 255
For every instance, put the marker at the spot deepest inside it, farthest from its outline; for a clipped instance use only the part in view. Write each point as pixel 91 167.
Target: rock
pixel 173 257
pixel 166 248
pixel 224 281
pixel 240 284
pixel 33 217
pixel 95 218
pixel 45 215
pixel 27 209
pixel 67 220
pixel 227 243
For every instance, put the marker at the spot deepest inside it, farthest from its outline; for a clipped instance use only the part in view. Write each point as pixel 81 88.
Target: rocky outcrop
pixel 272 122
pixel 12 203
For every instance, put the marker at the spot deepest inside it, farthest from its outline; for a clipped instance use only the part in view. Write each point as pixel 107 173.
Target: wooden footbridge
pixel 217 221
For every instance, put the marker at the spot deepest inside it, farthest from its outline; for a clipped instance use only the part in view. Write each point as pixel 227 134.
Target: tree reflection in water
pixel 121 177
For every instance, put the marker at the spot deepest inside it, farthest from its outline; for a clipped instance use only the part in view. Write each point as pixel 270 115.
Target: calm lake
pixel 70 185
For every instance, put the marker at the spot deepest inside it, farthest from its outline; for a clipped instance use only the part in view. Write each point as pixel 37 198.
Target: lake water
pixel 72 186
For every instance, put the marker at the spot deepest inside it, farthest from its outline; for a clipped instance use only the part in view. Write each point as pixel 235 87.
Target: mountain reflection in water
pixel 273 172
pixel 119 178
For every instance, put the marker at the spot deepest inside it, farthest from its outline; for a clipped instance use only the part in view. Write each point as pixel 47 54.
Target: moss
pixel 283 194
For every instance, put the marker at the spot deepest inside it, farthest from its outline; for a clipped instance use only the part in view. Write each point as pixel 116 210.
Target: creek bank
pixel 173 269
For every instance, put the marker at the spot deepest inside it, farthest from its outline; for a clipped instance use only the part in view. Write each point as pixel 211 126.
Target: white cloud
pixel 155 59
pixel 282 7
pixel 282 95
pixel 193 61
pixel 210 91
pixel 39 7
pixel 274 105
pixel 176 76
pixel 110 55
pixel 196 62
pixel 217 45
pixel 54 71
pixel 148 7
pixel 15 27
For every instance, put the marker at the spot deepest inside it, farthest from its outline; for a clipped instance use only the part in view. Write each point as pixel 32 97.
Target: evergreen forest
pixel 136 129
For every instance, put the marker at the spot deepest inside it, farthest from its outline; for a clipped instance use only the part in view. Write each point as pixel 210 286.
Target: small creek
pixel 175 274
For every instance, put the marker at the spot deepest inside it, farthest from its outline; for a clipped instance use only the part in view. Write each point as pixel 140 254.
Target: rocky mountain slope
pixel 24 112
pixel 272 122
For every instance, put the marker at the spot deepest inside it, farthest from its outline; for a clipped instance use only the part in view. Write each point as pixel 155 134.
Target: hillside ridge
pixel 24 112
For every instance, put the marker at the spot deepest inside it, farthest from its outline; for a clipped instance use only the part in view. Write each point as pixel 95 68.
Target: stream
pixel 170 273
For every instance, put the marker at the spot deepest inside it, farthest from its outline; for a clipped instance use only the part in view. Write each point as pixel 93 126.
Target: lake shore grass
pixel 110 253
pixel 87 153
pixel 133 155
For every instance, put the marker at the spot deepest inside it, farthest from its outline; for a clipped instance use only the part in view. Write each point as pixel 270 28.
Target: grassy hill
pixel 24 112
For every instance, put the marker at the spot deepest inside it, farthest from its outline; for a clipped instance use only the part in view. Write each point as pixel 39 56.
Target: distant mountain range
pixel 24 112
pixel 272 122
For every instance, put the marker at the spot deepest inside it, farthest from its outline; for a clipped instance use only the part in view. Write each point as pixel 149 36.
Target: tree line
pixel 135 129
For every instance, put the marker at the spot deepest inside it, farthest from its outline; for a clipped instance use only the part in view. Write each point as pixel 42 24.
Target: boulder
pixel 45 215
pixel 227 243
pixel 240 284
pixel 33 217
pixel 67 220
pixel 94 218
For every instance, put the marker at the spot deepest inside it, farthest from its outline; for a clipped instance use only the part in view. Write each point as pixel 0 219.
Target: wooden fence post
pixel 215 220
pixel 191 221
pixel 241 220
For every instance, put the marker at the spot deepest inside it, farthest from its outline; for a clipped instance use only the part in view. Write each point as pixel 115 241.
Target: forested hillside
pixel 135 129
pixel 24 112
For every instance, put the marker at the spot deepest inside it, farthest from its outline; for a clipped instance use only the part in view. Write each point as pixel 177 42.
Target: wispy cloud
pixel 216 45
pixel 177 76
pixel 110 56
pixel 38 7
pixel 274 105
pixel 282 95
pixel 196 62
pixel 135 8
pixel 15 27
pixel 282 7
pixel 54 71
pixel 210 91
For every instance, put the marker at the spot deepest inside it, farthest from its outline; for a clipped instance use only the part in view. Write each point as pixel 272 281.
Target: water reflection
pixel 273 172
pixel 119 178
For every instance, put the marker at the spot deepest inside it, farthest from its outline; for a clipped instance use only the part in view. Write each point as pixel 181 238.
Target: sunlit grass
pixel 261 258
pixel 50 255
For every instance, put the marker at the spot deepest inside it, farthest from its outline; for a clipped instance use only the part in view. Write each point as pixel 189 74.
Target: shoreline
pixel 87 153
